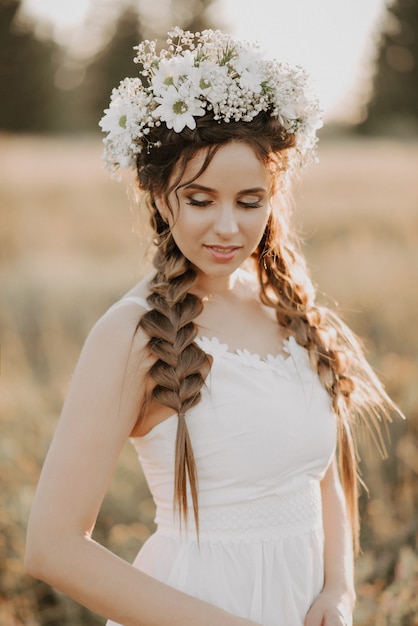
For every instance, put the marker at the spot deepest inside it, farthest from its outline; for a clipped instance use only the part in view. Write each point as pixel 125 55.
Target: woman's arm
pixel 99 413
pixel 334 605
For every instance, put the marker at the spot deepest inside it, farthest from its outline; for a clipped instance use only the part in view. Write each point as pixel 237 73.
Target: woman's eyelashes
pixel 196 202
pixel 255 204
pixel 250 203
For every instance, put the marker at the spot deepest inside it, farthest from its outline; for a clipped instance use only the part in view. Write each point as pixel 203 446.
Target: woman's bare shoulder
pixel 117 335
pixel 120 321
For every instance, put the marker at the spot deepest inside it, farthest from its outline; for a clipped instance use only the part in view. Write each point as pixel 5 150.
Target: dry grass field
pixel 69 247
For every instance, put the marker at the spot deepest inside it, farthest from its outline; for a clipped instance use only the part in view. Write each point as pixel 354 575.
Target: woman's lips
pixel 222 254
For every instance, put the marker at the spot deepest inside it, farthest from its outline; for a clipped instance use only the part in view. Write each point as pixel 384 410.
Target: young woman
pixel 238 391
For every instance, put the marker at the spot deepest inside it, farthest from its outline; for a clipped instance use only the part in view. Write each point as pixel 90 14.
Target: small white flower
pixel 249 66
pixel 174 72
pixel 114 120
pixel 178 111
pixel 250 82
pixel 217 79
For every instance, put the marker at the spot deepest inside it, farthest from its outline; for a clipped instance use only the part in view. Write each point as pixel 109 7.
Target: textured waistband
pixel 265 519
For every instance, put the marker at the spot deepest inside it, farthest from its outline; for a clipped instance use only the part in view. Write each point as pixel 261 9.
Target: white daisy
pixel 174 72
pixel 114 119
pixel 178 110
pixel 248 64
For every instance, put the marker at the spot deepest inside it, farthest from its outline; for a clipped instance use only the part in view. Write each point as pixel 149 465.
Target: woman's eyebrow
pixel 198 187
pixel 252 190
pixel 209 189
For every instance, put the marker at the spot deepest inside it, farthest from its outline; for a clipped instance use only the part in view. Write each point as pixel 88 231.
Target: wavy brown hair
pixel 180 366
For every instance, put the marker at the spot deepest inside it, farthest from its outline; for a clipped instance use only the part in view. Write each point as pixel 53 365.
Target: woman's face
pixel 220 217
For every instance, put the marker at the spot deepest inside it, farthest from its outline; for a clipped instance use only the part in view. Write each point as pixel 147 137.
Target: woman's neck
pixel 214 287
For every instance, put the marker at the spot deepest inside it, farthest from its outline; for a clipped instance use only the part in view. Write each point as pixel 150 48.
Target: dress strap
pixel 137 299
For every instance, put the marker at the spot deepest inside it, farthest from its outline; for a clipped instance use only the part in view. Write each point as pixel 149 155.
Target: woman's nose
pixel 226 223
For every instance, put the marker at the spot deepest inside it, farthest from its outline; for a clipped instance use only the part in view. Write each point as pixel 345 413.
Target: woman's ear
pixel 162 208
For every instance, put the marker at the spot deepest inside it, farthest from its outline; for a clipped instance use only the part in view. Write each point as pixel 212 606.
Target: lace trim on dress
pixel 279 362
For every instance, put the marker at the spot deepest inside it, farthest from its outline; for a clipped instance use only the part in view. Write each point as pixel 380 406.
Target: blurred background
pixel 71 243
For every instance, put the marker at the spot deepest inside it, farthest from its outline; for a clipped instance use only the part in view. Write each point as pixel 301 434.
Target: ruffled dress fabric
pixel 263 437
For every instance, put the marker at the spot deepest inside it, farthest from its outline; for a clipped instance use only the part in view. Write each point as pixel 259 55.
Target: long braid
pixel 179 366
pixel 334 353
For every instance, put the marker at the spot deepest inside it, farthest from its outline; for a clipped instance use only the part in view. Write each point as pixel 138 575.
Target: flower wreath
pixel 202 72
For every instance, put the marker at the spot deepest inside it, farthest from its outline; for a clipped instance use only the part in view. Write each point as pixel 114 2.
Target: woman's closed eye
pixel 202 201
pixel 250 202
pixel 250 205
pixel 253 202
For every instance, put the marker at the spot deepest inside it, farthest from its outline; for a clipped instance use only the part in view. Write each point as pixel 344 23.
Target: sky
pixel 333 39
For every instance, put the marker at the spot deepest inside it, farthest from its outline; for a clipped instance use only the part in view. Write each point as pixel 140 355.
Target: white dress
pixel 263 436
